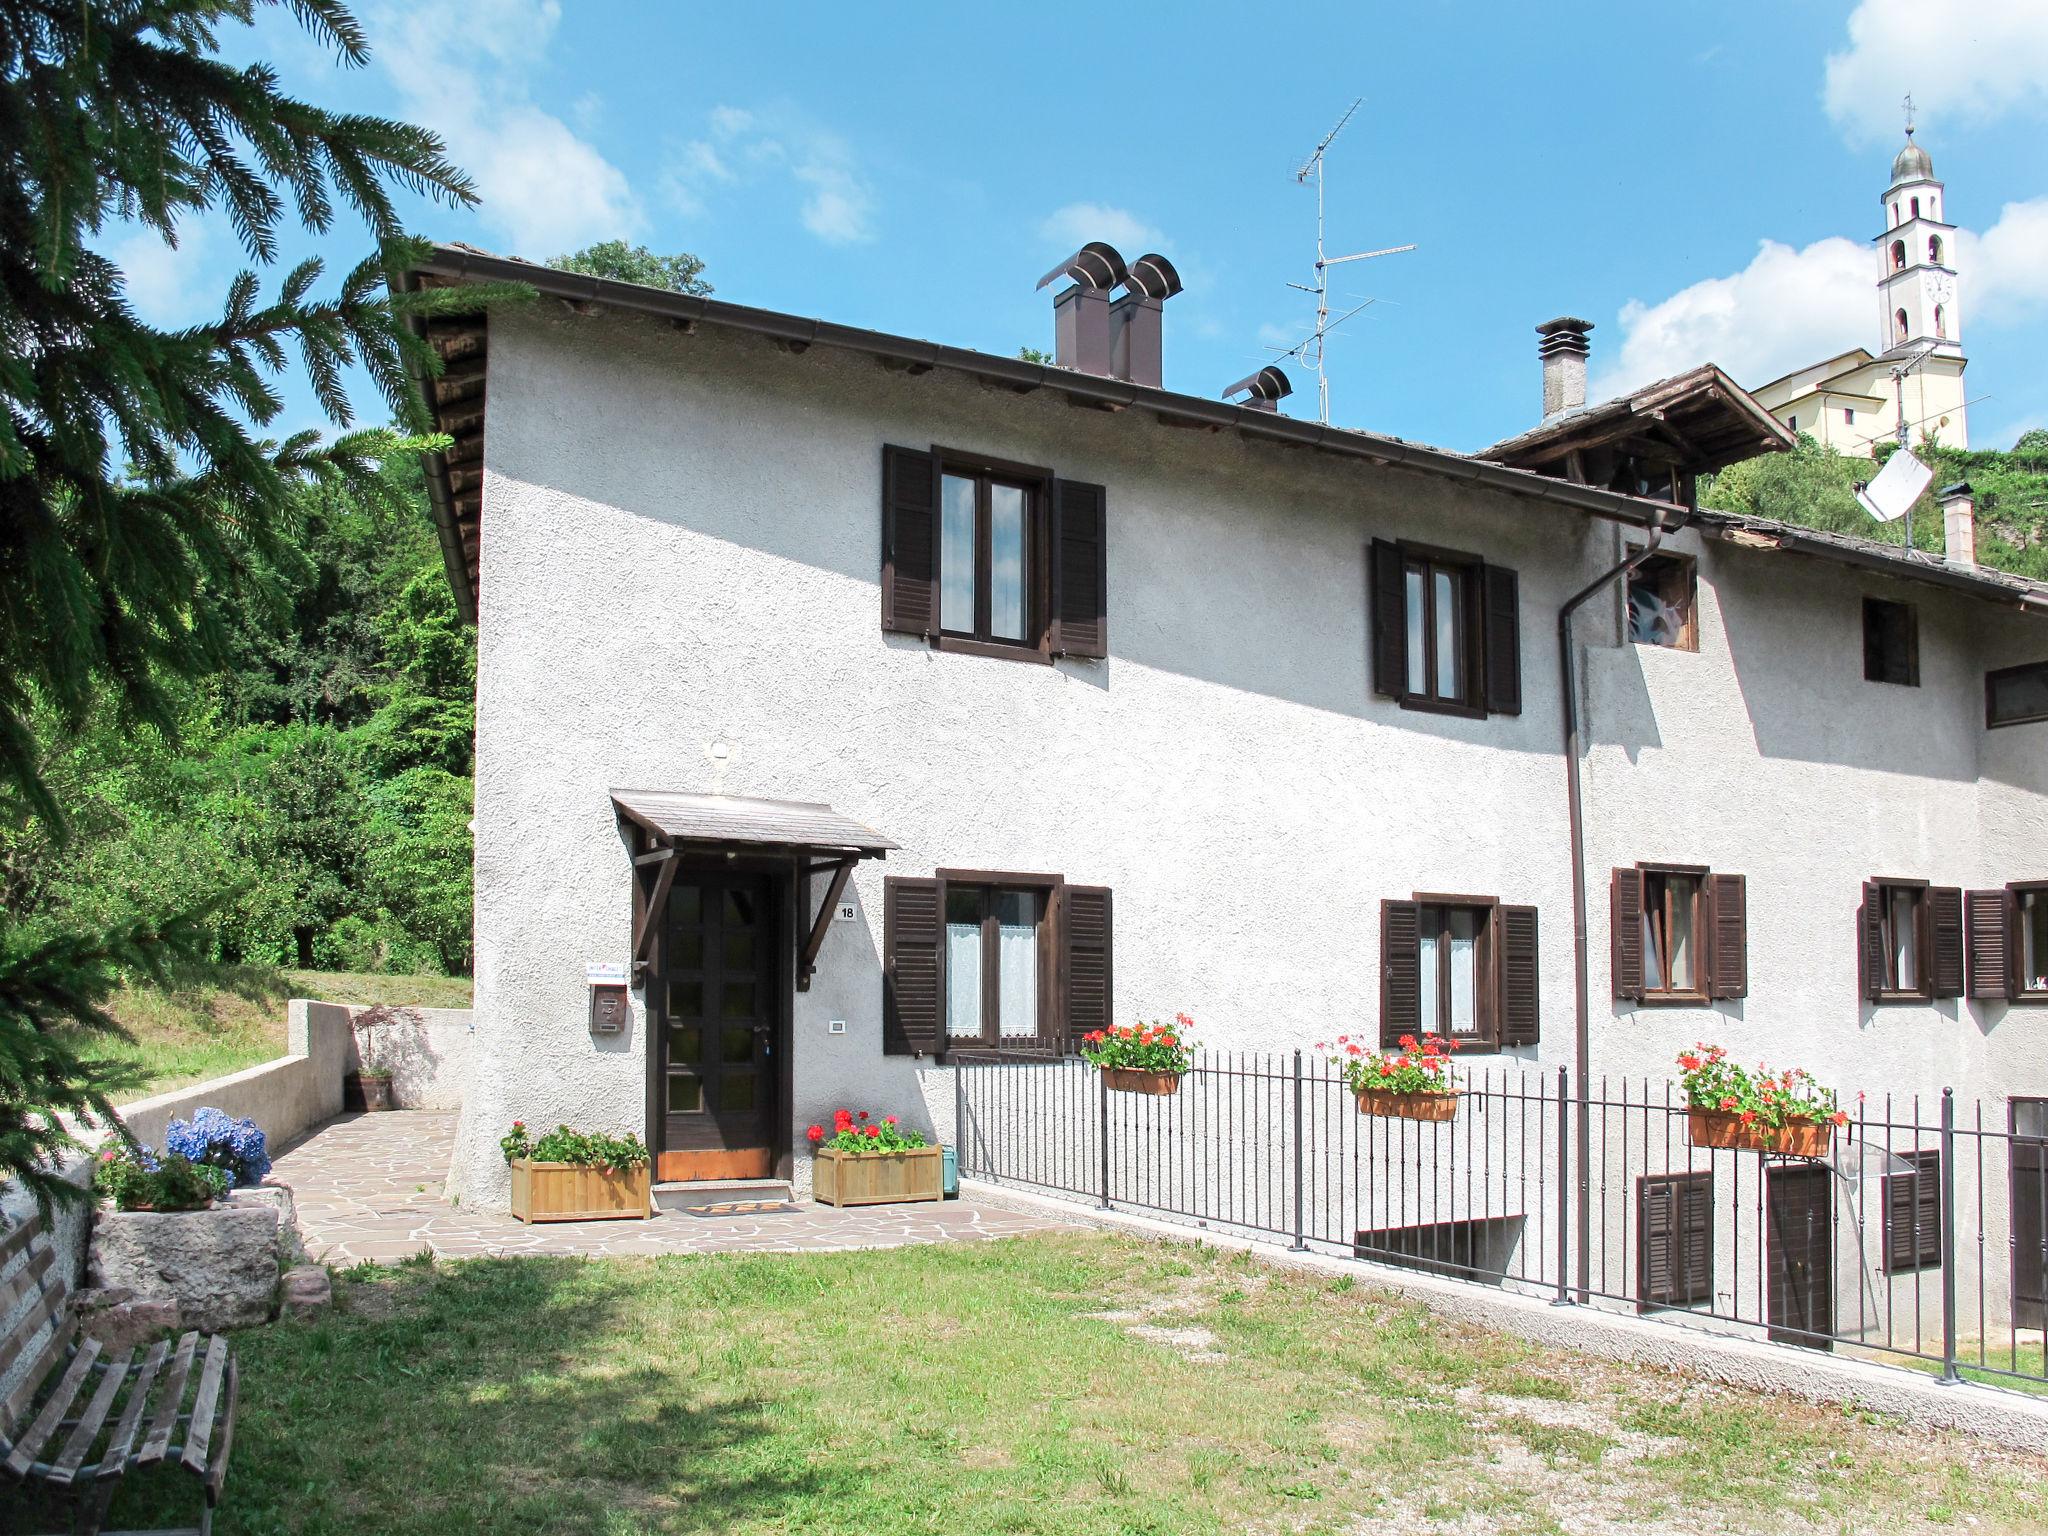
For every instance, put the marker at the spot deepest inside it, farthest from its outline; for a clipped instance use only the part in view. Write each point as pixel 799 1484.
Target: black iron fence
pixel 1920 1238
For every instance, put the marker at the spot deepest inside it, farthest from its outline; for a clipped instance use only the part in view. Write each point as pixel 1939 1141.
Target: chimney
pixel 1136 334
pixel 1959 521
pixel 1263 390
pixel 1563 350
pixel 1080 314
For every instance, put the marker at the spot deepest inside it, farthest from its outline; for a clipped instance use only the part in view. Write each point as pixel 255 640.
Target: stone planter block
pixel 218 1265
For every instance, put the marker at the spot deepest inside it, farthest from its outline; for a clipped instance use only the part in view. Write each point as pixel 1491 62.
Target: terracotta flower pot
pixel 1139 1080
pixel 1715 1128
pixel 359 1092
pixel 1428 1104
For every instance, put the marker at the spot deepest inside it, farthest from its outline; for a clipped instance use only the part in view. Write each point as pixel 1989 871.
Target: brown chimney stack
pixel 1959 521
pixel 1080 314
pixel 1563 350
pixel 1137 346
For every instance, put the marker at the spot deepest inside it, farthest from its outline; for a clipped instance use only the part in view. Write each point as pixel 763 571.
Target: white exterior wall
pixel 680 569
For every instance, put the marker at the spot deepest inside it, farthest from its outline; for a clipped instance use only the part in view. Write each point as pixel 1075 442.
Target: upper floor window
pixel 1002 559
pixel 1663 597
pixel 1891 643
pixel 1463 967
pixel 1680 933
pixel 2016 695
pixel 1446 631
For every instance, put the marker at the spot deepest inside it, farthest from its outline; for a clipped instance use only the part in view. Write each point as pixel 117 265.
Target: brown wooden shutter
pixel 1080 569
pixel 913 967
pixel 1912 1214
pixel 910 542
pixel 1091 993
pixel 1675 1254
pixel 1389 620
pixel 1503 605
pixel 1988 943
pixel 1625 917
pixel 1730 909
pixel 1945 921
pixel 1870 957
pixel 1519 989
pixel 1400 971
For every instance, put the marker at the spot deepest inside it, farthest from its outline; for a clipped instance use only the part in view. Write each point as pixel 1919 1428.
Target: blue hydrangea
pixel 212 1136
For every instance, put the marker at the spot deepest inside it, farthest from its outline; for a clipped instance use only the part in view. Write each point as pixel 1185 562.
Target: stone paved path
pixel 369 1187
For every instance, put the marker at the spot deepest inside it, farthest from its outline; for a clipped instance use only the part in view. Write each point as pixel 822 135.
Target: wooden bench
pixel 81 1419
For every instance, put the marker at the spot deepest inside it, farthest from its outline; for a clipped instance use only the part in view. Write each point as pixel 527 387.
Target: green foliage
pixel 1034 355
pixel 586 1149
pixel 142 513
pixel 134 1179
pixel 1815 486
pixel 623 263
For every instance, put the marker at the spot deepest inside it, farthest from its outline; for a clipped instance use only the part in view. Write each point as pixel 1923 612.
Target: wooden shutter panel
pixel 1945 921
pixel 1912 1214
pixel 1696 1239
pixel 913 967
pixel 1870 957
pixel 1080 569
pixel 910 542
pixel 1091 993
pixel 1519 991
pixel 1988 943
pixel 1503 603
pixel 1400 971
pixel 1389 621
pixel 1625 917
pixel 1675 1253
pixel 1730 909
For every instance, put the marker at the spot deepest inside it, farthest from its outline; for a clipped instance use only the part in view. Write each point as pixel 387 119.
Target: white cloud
pixel 465 73
pixel 170 287
pixel 837 203
pixel 1786 309
pixel 1789 308
pixel 2004 271
pixel 1963 60
pixel 1076 224
pixel 1271 335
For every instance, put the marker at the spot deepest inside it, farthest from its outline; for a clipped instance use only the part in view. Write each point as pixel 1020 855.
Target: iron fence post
pixel 1949 1374
pixel 1102 1127
pixel 960 1114
pixel 1297 1245
pixel 1564 1193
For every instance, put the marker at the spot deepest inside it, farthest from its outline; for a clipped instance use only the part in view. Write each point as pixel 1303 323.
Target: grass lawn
pixel 1060 1384
pixel 2014 1364
pixel 233 1017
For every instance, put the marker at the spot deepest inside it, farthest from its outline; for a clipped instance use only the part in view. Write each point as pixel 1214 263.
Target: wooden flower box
pixel 1713 1128
pixel 1139 1080
pixel 878 1178
pixel 1425 1105
pixel 578 1192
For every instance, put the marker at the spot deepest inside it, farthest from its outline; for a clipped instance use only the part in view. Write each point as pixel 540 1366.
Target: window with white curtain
pixel 994 956
pixel 1455 970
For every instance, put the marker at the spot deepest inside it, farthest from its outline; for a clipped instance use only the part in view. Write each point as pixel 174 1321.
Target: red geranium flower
pixel 874 1130
pixel 816 1133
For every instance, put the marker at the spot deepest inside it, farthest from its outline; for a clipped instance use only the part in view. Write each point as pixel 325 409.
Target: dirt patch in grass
pixel 1060 1385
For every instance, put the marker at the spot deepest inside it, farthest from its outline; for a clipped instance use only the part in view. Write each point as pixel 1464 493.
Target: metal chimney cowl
pixel 1563 350
pixel 1080 313
pixel 1137 347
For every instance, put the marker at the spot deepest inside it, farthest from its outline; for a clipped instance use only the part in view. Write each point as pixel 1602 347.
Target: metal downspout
pixel 1582 1033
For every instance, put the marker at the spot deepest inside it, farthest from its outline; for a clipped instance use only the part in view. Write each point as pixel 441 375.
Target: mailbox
pixel 609 1008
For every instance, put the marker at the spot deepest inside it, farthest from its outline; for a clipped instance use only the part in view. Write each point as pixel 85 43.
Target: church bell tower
pixel 1917 281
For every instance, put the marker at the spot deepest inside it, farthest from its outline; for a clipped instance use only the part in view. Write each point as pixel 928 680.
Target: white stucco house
pixel 872 705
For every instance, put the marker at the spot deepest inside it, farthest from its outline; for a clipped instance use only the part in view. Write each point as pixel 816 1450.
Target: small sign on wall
pixel 846 910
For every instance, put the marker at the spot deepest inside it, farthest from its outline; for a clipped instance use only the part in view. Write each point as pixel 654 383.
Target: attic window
pixel 1891 643
pixel 1662 597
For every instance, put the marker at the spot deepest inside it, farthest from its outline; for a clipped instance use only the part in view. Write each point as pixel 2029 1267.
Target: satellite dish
pixel 1897 486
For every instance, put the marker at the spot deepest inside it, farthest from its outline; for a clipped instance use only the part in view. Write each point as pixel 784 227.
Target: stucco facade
pixel 679 589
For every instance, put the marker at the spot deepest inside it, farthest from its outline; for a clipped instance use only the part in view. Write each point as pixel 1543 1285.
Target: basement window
pixel 1662 601
pixel 2016 695
pixel 1891 643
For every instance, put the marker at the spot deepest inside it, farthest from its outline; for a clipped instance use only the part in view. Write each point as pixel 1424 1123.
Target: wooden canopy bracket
pixel 807 962
pixel 657 902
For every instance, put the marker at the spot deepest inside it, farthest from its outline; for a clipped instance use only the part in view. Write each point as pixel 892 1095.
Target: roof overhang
pixel 1696 422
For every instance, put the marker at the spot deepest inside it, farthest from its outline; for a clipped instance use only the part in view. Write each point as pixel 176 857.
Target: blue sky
pixel 1700 180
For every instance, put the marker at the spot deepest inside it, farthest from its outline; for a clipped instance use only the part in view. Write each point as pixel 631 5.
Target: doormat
pixel 737 1208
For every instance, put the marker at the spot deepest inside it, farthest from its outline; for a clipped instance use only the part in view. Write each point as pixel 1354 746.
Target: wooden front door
pixel 716 1067
pixel 2029 1163
pixel 1799 1255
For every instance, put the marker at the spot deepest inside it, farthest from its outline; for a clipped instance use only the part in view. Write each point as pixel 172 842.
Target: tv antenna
pixel 1312 347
